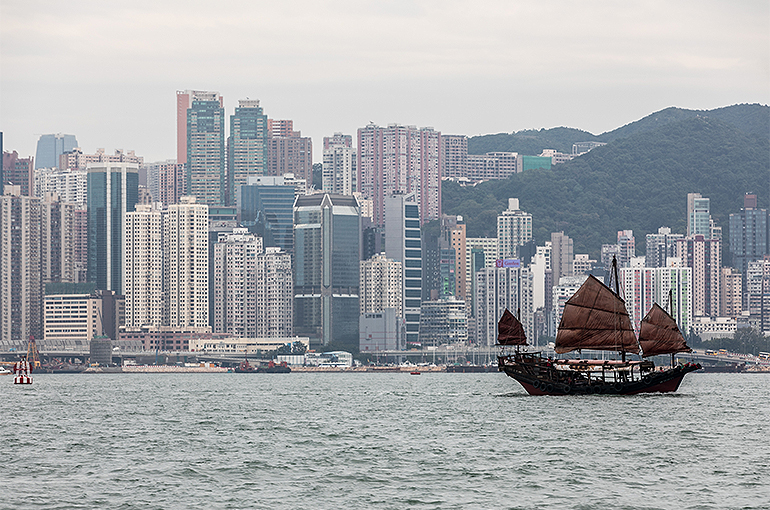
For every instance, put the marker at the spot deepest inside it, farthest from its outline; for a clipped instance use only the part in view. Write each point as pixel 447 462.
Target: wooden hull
pixel 551 382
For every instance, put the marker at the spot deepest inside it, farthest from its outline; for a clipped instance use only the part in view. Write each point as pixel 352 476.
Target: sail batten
pixel 659 334
pixel 595 318
pixel 510 331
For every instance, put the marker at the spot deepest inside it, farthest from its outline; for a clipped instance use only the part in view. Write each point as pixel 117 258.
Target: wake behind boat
pixel 595 318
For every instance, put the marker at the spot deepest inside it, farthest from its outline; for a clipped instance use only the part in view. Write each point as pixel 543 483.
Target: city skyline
pixel 587 63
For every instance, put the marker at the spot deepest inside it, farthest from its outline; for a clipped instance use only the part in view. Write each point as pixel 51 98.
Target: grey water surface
pixel 379 440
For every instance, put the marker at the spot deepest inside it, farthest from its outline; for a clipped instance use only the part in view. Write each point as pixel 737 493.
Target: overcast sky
pixel 107 71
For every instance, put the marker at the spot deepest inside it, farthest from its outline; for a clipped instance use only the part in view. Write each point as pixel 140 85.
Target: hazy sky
pixel 107 71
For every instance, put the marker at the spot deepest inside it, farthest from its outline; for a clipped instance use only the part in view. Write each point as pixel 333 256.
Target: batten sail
pixel 659 334
pixel 595 318
pixel 510 331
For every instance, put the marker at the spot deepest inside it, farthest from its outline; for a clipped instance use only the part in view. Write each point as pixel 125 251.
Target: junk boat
pixel 595 317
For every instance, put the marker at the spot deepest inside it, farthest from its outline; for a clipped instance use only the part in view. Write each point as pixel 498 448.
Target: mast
pixel 617 293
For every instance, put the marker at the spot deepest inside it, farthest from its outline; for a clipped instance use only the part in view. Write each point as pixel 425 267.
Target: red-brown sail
pixel 510 331
pixel 595 318
pixel 659 334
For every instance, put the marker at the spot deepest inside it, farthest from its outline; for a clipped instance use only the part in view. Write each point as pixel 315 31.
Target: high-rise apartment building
pixel 246 145
pixel 758 292
pixel 253 290
pixel 400 159
pixel 20 278
pixel 627 245
pixel 71 186
pixel 403 243
pixel 205 160
pixel 748 233
pixel 338 140
pixel 76 160
pixel 57 240
pixel 326 267
pixel 288 152
pixel 186 260
pixel 113 190
pixel 143 273
pixel 339 165
pixel 660 247
pixel 644 286
pixel 19 172
pixel 731 294
pixel 562 256
pixel 492 166
pixel 50 147
pixel 498 288
pixel 235 282
pixel 166 181
pixel 454 156
pixel 381 285
pixel 704 256
pixel 514 229
pixel 698 215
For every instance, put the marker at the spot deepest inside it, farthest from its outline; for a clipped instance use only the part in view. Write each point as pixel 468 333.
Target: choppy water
pixel 309 440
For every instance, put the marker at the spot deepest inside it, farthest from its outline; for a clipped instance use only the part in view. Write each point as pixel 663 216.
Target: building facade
pixel 143 274
pixel 50 147
pixel 326 267
pixel 400 159
pixel 403 243
pixel 186 264
pixel 381 285
pixel 113 190
pixel 514 229
pixel 205 157
pixel 246 145
pixel 498 288
pixel 704 256
pixel 748 234
pixel 20 277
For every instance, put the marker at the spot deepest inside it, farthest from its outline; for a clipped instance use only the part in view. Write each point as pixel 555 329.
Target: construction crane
pixel 33 355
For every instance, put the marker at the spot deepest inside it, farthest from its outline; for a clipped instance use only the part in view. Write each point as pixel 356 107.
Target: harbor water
pixel 379 440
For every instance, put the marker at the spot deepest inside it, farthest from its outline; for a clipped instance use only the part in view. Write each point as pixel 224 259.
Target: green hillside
pixel 753 119
pixel 639 182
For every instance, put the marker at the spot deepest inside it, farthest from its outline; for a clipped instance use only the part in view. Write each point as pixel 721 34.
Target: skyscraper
pixel 562 256
pixel 704 257
pixel 185 240
pixel 266 209
pixel 204 145
pixel 381 285
pixel 143 275
pixel 627 244
pixel 400 159
pixel 498 288
pixel 57 240
pixel 660 247
pixel 19 172
pixel 113 190
pixel 748 233
pixel 339 165
pixel 166 181
pixel 514 229
pixel 698 215
pixel 454 150
pixel 403 243
pixel 246 145
pixel 20 279
pixel 288 152
pixel 326 267
pixel 50 147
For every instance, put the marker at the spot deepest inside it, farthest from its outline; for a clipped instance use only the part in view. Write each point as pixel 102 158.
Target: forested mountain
pixel 637 182
pixel 749 118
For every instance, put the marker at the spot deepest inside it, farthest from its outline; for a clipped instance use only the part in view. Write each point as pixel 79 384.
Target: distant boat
pixel 595 318
pixel 269 368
